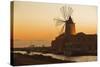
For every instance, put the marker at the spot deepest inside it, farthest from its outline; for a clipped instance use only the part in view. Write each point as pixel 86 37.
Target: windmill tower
pixel 69 25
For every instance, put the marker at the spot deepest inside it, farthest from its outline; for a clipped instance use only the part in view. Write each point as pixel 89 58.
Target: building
pixel 70 43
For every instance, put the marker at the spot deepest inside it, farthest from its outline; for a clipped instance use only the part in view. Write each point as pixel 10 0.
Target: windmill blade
pixel 62 29
pixel 59 21
pixel 62 9
pixel 66 12
pixel 70 10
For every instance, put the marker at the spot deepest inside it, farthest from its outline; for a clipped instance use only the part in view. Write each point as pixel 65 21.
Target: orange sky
pixel 34 21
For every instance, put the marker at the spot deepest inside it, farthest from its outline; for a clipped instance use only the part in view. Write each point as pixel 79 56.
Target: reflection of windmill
pixel 67 20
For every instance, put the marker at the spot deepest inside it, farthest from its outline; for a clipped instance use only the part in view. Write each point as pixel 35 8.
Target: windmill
pixel 66 21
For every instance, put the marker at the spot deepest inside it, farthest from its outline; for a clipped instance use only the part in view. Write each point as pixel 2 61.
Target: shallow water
pixel 62 57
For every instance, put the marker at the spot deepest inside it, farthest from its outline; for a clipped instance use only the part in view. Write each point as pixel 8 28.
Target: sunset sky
pixel 34 21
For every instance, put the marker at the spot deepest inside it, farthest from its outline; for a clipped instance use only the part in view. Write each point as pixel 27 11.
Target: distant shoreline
pixel 50 51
